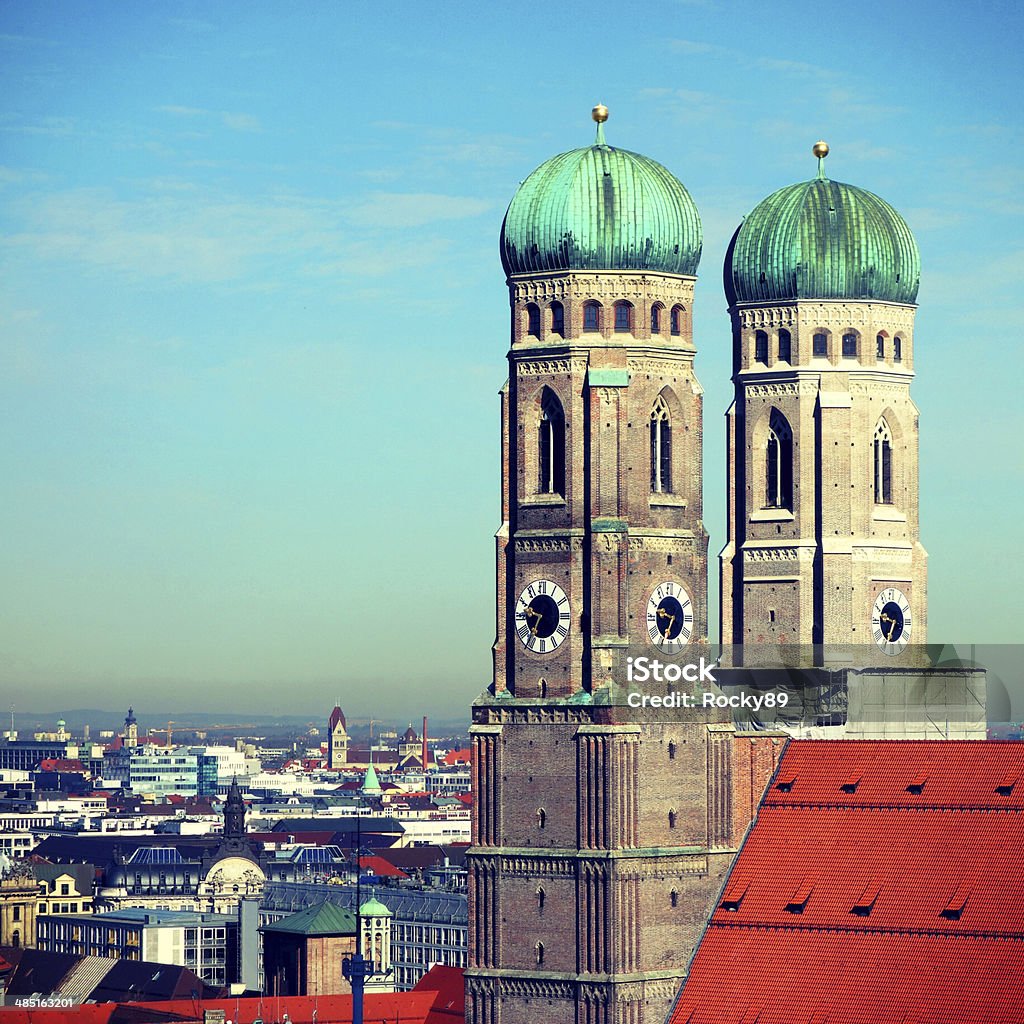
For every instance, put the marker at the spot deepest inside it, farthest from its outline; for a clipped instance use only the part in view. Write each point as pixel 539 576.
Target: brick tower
pixel 823 547
pixel 600 839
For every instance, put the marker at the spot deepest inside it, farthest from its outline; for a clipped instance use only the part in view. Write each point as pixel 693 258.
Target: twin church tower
pixel 600 838
pixel 602 423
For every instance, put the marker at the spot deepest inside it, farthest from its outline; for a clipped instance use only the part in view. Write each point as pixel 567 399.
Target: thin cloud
pixel 175 237
pixel 242 122
pixel 57 127
pixel 173 108
pixel 197 25
pixel 237 122
pixel 409 210
pixel 797 67
pixel 692 46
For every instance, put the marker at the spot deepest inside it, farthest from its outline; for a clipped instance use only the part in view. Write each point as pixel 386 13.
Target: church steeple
pixel 234 813
pixel 823 549
pixel 131 729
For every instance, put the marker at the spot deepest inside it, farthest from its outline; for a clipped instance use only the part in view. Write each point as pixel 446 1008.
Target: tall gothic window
pixel 558 318
pixel 849 345
pixel 883 463
pixel 551 445
pixel 761 347
pixel 785 346
pixel 533 320
pixel 661 448
pixel 591 316
pixel 655 319
pixel 676 320
pixel 779 463
pixel 623 319
pixel 897 350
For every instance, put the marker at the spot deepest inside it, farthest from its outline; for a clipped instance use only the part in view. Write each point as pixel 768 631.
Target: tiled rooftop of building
pixel 882 881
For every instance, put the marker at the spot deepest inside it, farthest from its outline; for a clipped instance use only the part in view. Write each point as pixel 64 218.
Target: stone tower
pixel 337 740
pixel 599 839
pixel 234 815
pixel 823 549
pixel 131 729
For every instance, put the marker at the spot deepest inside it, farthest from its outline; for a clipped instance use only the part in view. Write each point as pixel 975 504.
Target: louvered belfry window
pixel 551 445
pixel 661 448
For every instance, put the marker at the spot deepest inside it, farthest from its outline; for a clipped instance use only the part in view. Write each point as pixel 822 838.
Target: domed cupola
pixel 822 239
pixel 601 208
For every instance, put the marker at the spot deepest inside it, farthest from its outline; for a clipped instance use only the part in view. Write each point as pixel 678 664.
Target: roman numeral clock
pixel 542 616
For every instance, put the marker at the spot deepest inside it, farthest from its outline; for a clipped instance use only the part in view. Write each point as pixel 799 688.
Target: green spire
pixel 371 784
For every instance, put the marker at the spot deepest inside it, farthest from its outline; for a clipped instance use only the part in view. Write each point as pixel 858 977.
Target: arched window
pixel 558 318
pixel 880 347
pixel 540 899
pixel 671 819
pixel 540 953
pixel 779 463
pixel 849 345
pixel 883 463
pixel 623 317
pixel 673 897
pixel 16 940
pixel 761 347
pixel 785 346
pixel 542 817
pixel 655 319
pixel 675 321
pixel 671 750
pixel 591 316
pixel 533 320
pixel 820 345
pixel 897 349
pixel 661 448
pixel 551 445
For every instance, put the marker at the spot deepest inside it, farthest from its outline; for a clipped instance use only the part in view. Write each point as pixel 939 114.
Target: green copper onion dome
pixel 601 208
pixel 374 908
pixel 822 239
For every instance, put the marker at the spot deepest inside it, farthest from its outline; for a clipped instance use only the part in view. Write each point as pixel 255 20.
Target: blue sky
pixel 253 321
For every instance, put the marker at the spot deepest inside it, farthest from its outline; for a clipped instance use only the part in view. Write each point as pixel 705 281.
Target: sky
pixel 253 322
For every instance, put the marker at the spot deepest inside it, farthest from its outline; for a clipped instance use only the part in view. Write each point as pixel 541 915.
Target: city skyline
pixel 254 320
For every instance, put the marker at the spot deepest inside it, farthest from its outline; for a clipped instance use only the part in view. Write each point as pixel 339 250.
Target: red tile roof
pixel 381 868
pixel 464 756
pixel 882 881
pixel 450 1002
pixel 60 764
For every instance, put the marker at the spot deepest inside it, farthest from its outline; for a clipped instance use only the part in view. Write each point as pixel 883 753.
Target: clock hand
pixel 532 613
pixel 895 623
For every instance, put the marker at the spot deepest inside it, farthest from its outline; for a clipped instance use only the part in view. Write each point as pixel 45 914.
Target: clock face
pixel 542 616
pixel 669 616
pixel 890 621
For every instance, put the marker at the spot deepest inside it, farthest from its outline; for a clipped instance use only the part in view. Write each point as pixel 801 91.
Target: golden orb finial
pixel 820 149
pixel 600 113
